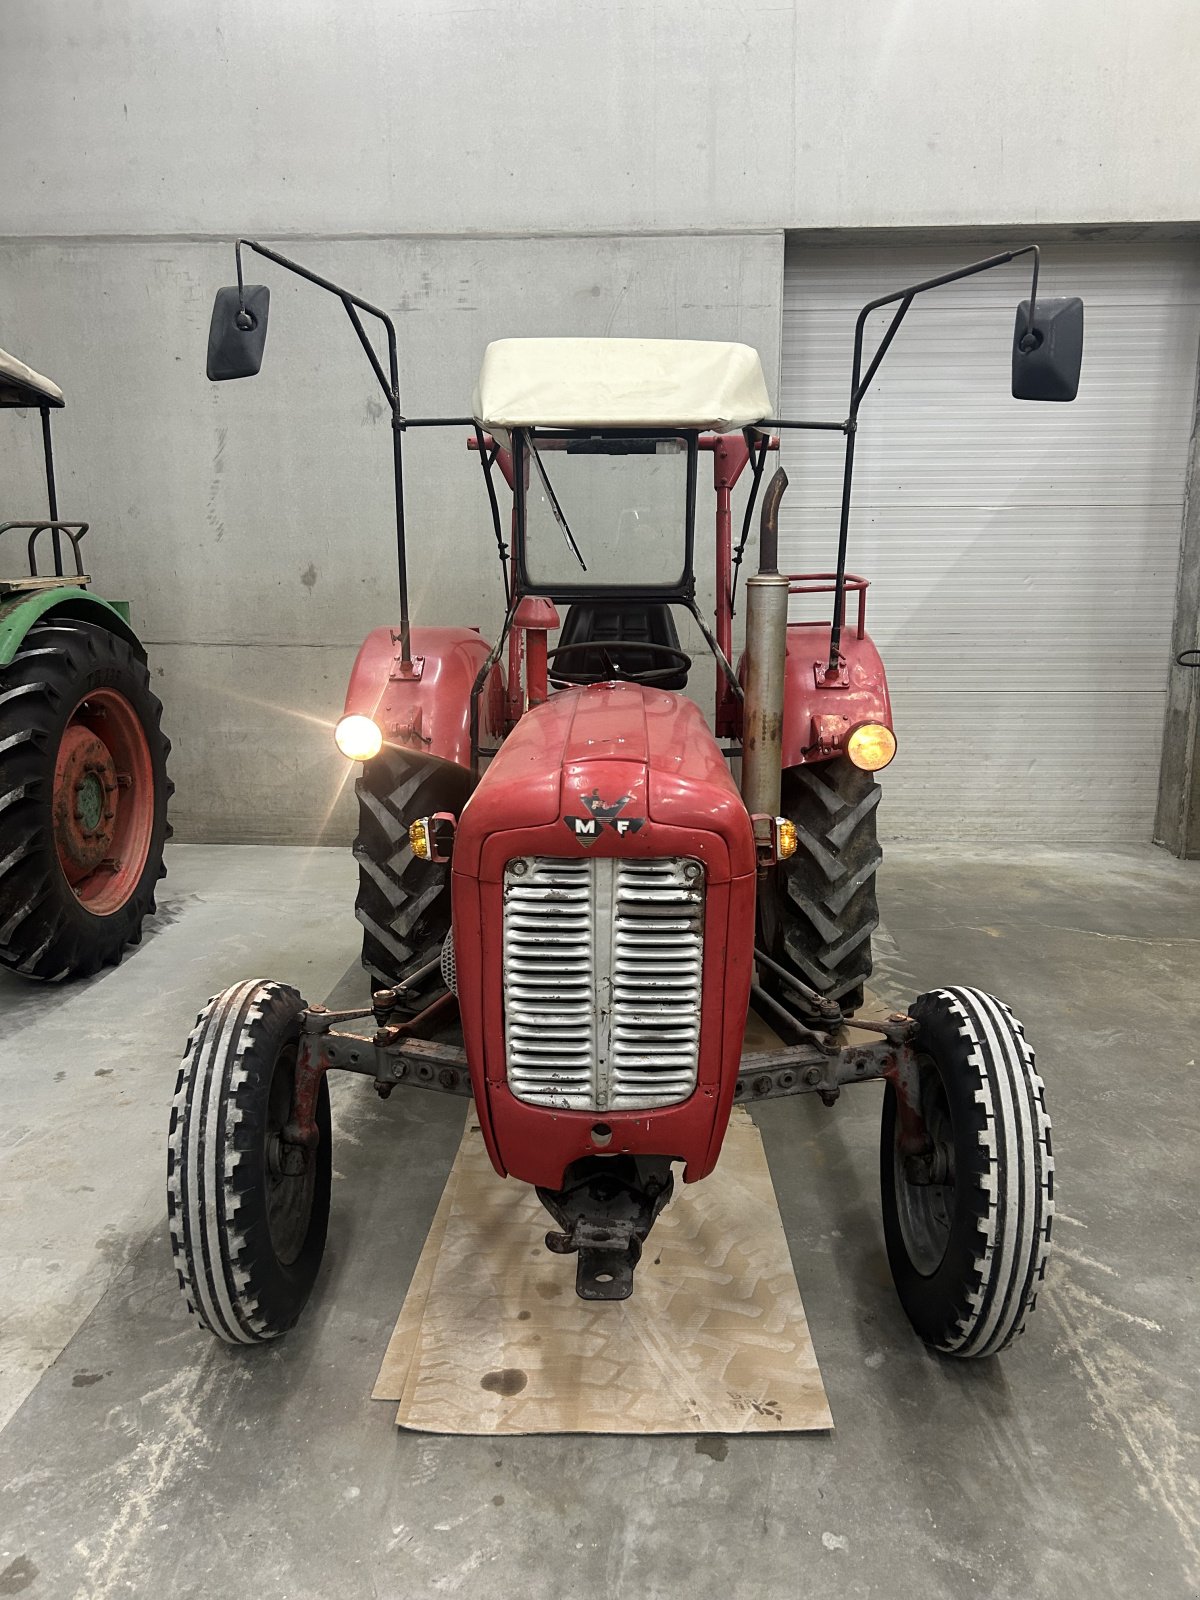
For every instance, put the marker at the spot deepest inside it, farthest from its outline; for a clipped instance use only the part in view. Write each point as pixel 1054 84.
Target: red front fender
pixel 817 715
pixel 428 709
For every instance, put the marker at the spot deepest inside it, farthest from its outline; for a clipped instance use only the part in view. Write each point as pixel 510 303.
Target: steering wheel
pixel 677 661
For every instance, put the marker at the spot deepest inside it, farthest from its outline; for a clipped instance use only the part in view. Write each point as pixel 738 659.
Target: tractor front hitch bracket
pixel 605 1211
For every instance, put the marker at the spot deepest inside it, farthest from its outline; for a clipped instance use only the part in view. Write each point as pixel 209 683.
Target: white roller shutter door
pixel 1023 557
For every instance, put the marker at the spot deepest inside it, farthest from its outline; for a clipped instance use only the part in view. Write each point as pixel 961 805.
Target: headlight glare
pixel 358 738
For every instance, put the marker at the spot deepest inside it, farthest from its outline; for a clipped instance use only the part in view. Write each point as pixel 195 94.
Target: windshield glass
pixel 605 511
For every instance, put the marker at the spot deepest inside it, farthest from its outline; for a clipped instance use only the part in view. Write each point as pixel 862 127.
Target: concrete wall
pixel 390 116
pixel 250 524
pixel 551 167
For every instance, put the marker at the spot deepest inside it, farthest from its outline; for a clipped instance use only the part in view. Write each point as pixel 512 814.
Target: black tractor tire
pixel 46 929
pixel 403 902
pixel 824 906
pixel 247 1236
pixel 968 1254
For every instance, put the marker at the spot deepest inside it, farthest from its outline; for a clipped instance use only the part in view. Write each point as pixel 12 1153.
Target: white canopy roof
pixel 22 386
pixel 620 383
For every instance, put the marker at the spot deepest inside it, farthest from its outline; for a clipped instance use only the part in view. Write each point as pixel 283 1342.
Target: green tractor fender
pixel 20 613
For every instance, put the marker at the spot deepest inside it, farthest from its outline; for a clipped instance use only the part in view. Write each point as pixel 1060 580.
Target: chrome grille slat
pixel 603 960
pixel 549 982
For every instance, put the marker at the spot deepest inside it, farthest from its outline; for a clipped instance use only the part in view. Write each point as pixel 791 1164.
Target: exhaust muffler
pixel 766 652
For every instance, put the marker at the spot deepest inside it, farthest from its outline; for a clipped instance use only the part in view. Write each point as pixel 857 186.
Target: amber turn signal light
pixel 871 746
pixel 785 838
pixel 418 838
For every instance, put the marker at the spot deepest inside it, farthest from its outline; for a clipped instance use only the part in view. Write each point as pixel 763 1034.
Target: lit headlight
pixel 871 746
pixel 358 738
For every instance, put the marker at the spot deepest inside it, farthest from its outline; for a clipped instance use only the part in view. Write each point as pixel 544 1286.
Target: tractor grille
pixel 602 966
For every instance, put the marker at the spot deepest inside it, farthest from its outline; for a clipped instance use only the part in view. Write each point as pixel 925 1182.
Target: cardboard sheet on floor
pixel 492 1338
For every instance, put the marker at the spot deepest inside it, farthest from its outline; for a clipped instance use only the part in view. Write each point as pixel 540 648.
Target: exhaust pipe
pixel 766 650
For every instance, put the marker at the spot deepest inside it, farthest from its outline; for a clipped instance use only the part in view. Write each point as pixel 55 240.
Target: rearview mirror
pixel 237 334
pixel 1047 357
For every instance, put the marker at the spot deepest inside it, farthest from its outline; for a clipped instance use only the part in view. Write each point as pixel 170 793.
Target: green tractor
pixel 83 759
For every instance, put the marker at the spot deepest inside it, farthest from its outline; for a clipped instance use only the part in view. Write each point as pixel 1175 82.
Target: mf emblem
pixel 602 814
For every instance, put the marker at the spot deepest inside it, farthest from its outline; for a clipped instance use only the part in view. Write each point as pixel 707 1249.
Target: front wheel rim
pixel 925 1211
pixel 103 801
pixel 290 1169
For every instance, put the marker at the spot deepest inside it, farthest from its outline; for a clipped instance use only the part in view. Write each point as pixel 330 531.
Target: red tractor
pixel 556 855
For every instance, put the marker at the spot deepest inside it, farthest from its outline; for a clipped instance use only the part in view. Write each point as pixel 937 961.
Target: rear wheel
pixel 83 799
pixel 824 909
pixel 403 902
pixel 248 1210
pixel 967 1218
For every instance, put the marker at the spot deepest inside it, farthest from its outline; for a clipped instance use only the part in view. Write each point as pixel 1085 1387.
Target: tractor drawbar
pixel 766 650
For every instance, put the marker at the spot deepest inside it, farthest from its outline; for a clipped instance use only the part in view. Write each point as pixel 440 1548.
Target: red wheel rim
pixel 103 805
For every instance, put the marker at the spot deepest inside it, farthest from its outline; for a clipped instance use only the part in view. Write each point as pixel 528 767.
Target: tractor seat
pixel 620 626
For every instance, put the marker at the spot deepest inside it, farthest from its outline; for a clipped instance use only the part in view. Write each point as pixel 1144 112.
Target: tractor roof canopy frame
pixel 1046 359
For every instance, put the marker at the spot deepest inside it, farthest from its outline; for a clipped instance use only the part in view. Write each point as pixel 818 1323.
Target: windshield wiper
pixel 554 505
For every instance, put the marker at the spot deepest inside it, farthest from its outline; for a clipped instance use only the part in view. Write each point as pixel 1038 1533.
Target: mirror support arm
pixel 389 382
pixel 860 383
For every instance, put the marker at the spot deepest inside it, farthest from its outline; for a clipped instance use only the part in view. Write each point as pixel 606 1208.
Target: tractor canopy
pixel 603 436
pixel 22 386
pixel 620 383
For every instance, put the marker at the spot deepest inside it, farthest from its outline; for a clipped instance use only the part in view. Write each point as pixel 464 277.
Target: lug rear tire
pixel 403 903
pixel 968 1253
pixel 83 800
pixel 248 1214
pixel 825 909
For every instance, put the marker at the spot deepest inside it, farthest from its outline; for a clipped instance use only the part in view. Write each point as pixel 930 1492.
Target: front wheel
pixel 248 1210
pixel 967 1216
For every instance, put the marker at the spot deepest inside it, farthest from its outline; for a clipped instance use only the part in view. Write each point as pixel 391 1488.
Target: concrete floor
pixel 141 1458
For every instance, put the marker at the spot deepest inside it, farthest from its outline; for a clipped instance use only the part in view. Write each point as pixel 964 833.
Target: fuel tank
pixel 603 913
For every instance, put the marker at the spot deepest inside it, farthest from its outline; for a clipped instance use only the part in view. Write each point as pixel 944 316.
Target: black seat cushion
pixel 620 626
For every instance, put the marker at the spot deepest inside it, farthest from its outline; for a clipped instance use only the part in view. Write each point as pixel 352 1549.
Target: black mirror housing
pixel 237 334
pixel 1046 359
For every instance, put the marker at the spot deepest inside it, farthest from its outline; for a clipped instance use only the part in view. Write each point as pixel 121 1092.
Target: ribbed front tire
pixel 968 1253
pixel 248 1215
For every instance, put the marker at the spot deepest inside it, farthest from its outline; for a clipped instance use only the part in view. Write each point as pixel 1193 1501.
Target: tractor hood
pixel 633 775
pixel 603 770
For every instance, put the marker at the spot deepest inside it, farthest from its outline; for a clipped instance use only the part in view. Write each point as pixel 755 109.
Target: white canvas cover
pixel 21 385
pixel 620 383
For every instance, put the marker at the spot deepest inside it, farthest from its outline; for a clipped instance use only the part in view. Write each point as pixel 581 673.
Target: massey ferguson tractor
pixel 574 883
pixel 83 760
